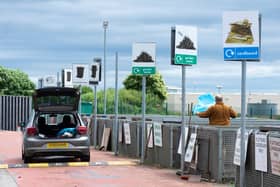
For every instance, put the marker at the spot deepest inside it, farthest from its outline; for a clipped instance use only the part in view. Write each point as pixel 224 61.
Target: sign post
pixel 116 125
pixel 184 53
pixel 80 77
pixel 95 78
pixel 241 36
pixel 143 63
pixel 67 78
pixel 143 119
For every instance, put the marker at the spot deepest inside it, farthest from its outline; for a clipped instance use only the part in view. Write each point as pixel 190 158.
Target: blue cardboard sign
pixel 241 53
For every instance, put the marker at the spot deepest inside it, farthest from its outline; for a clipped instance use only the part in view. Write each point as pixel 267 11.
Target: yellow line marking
pixel 37 165
pixel 4 166
pixel 78 164
pixel 122 163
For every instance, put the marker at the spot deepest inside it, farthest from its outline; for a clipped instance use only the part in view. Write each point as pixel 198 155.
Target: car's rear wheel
pixel 85 158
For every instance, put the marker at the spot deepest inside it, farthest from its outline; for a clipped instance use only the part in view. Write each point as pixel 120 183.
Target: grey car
pixel 55 127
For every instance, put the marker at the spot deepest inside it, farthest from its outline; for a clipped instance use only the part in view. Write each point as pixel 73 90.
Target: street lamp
pixel 105 25
pixel 219 87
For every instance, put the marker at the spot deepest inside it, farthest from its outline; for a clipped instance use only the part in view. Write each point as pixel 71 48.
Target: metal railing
pixel 13 111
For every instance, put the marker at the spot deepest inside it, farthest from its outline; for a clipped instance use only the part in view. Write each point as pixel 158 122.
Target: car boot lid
pixel 56 99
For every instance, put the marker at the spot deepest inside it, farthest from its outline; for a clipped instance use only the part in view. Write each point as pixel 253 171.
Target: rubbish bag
pixel 204 102
pixel 67 132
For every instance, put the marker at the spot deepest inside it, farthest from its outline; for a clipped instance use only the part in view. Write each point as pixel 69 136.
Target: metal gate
pixel 13 110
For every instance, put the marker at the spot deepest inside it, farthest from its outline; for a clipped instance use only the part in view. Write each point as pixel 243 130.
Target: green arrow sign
pixel 185 59
pixel 143 70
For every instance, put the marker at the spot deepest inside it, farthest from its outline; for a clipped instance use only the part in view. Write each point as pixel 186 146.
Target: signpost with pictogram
pixel 144 58
pixel 143 63
pixel 242 39
pixel 183 52
pixel 184 45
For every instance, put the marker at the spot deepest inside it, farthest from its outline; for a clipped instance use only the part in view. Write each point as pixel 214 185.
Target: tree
pixel 15 82
pixel 86 94
pixel 154 85
pixel 86 89
pixel 129 101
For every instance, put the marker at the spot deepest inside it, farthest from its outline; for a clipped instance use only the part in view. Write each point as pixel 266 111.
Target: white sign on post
pixel 261 151
pixel 241 35
pixel 180 143
pixel 127 137
pixel 144 58
pixel 185 45
pixel 274 149
pixel 80 74
pixel 190 149
pixel 67 78
pixel 151 138
pixel 95 71
pixel 157 134
pixel 120 132
pixel 237 153
pixel 50 81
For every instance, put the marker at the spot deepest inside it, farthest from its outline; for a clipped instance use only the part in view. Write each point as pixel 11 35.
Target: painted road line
pixel 122 163
pixel 76 164
pixel 71 164
pixel 98 163
pixel 4 166
pixel 18 165
pixel 58 164
pixel 38 165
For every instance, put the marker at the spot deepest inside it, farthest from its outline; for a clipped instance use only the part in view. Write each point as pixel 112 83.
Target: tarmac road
pixel 117 172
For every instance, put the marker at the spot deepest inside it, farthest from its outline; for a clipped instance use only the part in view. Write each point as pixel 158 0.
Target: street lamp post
pixel 105 25
pixel 219 87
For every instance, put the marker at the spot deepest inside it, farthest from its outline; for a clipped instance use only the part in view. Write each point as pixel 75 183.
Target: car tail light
pixel 82 130
pixel 31 131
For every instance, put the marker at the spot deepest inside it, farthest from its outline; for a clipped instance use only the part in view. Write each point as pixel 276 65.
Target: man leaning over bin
pixel 218 114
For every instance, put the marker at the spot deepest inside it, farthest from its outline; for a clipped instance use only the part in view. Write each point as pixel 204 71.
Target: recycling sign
pixel 241 35
pixel 143 70
pixel 185 45
pixel 143 58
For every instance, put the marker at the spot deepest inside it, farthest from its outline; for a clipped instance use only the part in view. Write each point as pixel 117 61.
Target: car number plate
pixel 57 145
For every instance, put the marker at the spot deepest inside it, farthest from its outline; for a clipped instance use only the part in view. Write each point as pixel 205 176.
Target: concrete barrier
pixel 254 177
pixel 130 150
pixel 216 146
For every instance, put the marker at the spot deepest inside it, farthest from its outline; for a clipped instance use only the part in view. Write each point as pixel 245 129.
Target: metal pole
pixel 171 147
pixel 80 106
pixel 143 118
pixel 95 118
pixel 57 81
pixel 220 155
pixel 243 127
pixel 116 125
pixel 261 179
pixel 183 120
pixel 105 25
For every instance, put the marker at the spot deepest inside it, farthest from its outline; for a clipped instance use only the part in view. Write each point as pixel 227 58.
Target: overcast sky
pixel 41 37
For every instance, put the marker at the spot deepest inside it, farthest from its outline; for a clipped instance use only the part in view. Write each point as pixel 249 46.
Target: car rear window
pixel 56 100
pixel 55 119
